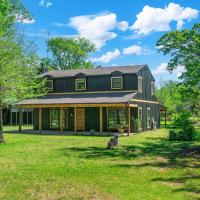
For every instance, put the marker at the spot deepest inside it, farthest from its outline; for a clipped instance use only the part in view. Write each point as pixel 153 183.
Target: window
pixel 116 117
pixel 152 88
pixel 140 84
pixel 148 117
pixel 139 118
pixel 116 82
pixel 49 85
pixel 80 84
pixel 55 118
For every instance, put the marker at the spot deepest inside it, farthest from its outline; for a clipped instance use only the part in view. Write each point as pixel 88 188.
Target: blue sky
pixel 124 31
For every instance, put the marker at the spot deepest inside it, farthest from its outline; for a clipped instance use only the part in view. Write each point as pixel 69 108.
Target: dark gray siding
pixel 95 83
pixel 92 119
pixel 154 113
pixel 71 119
pixel 35 119
pixel 147 78
pixel 45 119
pixel 104 119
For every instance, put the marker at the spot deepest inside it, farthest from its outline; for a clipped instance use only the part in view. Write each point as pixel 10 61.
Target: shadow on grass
pixel 161 153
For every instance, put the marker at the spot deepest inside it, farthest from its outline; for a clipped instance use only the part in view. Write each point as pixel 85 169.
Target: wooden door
pixel 80 119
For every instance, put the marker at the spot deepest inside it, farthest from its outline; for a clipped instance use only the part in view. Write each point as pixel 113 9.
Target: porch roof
pixel 83 98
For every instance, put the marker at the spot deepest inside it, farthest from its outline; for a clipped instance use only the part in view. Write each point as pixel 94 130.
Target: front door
pixel 80 119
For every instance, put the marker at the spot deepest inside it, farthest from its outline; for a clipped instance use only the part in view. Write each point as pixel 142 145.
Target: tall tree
pixel 184 48
pixel 18 72
pixel 169 96
pixel 70 53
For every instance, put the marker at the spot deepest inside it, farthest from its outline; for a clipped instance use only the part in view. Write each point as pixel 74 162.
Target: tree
pixel 169 96
pixel 184 49
pixel 70 53
pixel 10 12
pixel 18 71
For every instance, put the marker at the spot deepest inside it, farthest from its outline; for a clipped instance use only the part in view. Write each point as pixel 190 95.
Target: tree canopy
pixel 184 48
pixel 18 60
pixel 70 53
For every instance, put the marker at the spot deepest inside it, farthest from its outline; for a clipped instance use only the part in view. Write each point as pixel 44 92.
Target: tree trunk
pixel 1 125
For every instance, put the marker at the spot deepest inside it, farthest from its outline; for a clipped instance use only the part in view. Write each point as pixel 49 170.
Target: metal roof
pixel 84 98
pixel 94 71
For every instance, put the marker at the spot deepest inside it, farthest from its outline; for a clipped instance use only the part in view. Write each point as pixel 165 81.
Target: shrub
pixel 172 135
pixel 187 131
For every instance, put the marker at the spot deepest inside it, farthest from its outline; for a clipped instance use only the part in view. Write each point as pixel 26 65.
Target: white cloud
pixel 152 19
pixel 58 24
pixel 162 69
pixel 98 28
pixel 42 3
pixel 136 50
pixel 46 4
pixel 95 28
pixel 123 25
pixel 49 4
pixel 106 58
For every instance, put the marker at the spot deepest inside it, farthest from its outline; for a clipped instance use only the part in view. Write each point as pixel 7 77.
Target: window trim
pixel 139 128
pixel 50 89
pixel 149 109
pixel 119 77
pixel 140 78
pixel 51 118
pixel 76 84
pixel 152 88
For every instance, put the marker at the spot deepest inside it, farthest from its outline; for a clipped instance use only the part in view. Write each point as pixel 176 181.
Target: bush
pixel 187 131
pixel 172 135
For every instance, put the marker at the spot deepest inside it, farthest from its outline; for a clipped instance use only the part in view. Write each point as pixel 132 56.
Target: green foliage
pixel 169 96
pixel 184 48
pixel 10 11
pixel 70 53
pixel 186 131
pixel 18 60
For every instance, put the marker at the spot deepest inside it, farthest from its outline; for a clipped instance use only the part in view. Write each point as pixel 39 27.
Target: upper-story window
pixel 116 82
pixel 140 84
pixel 49 85
pixel 80 84
pixel 152 88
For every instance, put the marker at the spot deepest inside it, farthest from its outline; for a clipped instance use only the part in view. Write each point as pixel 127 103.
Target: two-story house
pixel 101 98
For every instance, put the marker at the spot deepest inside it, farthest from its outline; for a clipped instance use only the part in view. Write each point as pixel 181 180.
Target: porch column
pixel 40 120
pixel 61 119
pixel 75 119
pixel 129 121
pixel 20 120
pixel 101 120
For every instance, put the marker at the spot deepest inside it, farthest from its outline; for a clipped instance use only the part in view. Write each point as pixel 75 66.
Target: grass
pixel 145 166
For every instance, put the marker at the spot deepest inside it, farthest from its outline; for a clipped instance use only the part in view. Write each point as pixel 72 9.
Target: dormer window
pixel 152 88
pixel 49 85
pixel 80 84
pixel 116 83
pixel 140 84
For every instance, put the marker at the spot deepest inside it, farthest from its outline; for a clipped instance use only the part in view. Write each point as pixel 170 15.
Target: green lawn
pixel 145 166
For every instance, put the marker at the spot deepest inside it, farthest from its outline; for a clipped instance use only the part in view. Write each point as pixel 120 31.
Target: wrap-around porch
pixel 82 118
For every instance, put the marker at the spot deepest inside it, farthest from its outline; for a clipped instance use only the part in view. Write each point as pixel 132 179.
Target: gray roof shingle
pixel 94 71
pixel 85 98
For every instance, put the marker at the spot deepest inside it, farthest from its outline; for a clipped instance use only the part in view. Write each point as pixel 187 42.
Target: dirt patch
pixel 192 152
